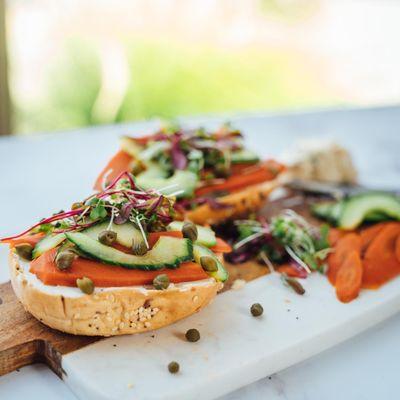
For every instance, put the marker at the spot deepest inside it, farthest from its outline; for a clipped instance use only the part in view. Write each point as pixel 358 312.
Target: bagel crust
pixel 249 199
pixel 108 311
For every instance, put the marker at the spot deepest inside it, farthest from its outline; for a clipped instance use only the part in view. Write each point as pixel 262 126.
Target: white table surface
pixel 41 174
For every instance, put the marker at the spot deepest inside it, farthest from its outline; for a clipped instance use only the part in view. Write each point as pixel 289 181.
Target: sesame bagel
pixel 246 200
pixel 108 311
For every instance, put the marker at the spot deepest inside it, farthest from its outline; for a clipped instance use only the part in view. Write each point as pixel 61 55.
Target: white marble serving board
pixel 235 348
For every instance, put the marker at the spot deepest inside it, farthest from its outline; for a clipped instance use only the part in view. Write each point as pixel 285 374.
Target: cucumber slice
pixel 221 275
pixel 47 243
pixel 185 181
pixel 206 236
pixel 244 157
pixel 168 252
pixel 127 233
pixel 356 208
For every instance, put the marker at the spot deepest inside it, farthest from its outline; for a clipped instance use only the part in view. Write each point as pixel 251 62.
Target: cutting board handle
pixel 24 340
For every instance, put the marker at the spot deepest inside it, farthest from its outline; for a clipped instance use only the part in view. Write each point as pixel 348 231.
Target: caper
pixel 77 205
pixel 139 249
pixel 107 237
pixel 294 284
pixel 173 367
pixel 64 259
pixel 256 309
pixel 221 171
pixel 24 250
pixel 192 335
pixel 209 263
pixel 85 284
pixel 161 282
pixel 189 231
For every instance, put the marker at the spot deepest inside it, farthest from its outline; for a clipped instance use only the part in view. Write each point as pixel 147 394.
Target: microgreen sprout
pixel 192 149
pixel 287 237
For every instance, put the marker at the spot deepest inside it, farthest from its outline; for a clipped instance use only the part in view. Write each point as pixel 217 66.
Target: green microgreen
pixel 98 211
pixel 287 235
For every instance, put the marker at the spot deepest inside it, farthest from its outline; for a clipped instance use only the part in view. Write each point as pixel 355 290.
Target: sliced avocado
pixel 47 243
pixel 143 153
pixel 221 275
pixel 244 156
pixel 356 208
pixel 153 170
pixel 153 150
pixel 322 210
pixel 180 180
pixel 376 216
pixel 127 233
pixel 329 211
pixel 205 236
pixel 168 252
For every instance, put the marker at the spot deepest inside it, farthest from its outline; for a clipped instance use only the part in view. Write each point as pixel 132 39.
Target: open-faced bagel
pixel 245 200
pixel 108 311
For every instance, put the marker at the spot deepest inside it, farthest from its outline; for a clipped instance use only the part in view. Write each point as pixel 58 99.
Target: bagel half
pixel 108 311
pixel 246 200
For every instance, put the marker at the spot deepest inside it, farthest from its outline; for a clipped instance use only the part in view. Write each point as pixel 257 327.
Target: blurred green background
pixel 91 62
pixel 183 81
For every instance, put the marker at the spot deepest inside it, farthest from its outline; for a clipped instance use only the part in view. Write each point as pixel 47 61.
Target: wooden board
pixel 24 340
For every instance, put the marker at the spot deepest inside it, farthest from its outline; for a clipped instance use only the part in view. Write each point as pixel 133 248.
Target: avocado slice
pixel 357 208
pixel 329 211
pixel 180 180
pixel 143 153
pixel 244 157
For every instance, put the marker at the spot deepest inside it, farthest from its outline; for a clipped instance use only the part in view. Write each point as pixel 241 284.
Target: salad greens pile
pixel 189 159
pixel 207 154
pixel 286 238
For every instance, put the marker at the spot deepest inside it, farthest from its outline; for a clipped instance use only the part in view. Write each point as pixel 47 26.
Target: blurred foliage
pixel 73 84
pixel 294 10
pixel 169 80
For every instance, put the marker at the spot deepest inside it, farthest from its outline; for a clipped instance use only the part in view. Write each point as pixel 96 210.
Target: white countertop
pixel 38 178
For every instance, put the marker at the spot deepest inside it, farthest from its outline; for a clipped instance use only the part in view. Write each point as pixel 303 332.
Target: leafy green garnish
pixel 245 231
pixel 304 243
pixel 322 241
pixel 98 211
